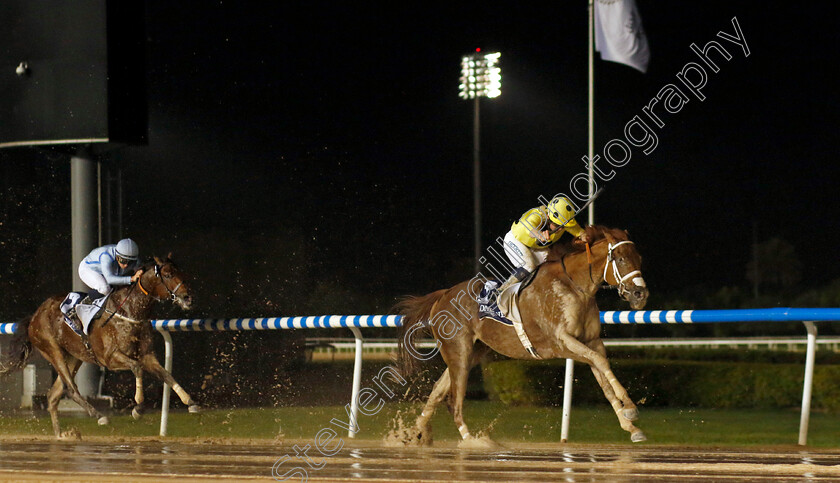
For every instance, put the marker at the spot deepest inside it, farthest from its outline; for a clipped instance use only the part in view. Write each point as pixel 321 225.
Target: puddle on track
pixel 144 460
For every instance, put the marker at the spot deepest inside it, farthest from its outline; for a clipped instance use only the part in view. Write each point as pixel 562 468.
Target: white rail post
pixel 29 375
pixel 805 417
pixel 357 383
pixel 167 364
pixel 567 400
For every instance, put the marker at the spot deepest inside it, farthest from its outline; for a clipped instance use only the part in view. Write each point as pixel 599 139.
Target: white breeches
pixel 94 279
pixel 521 255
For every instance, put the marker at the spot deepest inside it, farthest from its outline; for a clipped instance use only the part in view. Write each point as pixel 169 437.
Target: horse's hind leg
pixel 151 364
pixel 441 388
pixel 466 356
pixel 66 366
pixel 53 398
pixel 439 392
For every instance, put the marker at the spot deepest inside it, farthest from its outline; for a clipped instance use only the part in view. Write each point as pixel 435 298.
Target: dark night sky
pixel 340 128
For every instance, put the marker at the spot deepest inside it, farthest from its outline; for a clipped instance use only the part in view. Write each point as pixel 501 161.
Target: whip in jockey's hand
pixel 527 242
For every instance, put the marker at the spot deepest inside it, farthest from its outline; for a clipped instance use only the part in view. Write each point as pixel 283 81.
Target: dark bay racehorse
pixel 120 339
pixel 559 316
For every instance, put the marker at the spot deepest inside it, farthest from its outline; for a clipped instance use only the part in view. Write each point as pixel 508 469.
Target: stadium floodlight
pixel 481 76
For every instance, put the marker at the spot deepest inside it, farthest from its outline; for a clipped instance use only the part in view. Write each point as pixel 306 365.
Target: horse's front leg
pixel 119 360
pixel 615 393
pixel 151 364
pixel 137 412
pixel 625 409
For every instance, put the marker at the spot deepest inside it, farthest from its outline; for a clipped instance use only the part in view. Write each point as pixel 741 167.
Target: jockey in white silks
pixel 107 267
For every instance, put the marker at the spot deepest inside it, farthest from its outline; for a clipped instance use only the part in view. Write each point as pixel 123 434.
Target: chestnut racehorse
pixel 559 317
pixel 120 339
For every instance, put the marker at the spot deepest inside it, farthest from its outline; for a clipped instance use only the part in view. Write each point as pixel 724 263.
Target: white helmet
pixel 127 250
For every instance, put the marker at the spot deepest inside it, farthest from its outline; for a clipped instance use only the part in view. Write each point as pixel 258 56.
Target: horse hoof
pixel 71 434
pixel 194 408
pixel 630 414
pixel 136 414
pixel 638 437
pixel 103 421
pixel 481 442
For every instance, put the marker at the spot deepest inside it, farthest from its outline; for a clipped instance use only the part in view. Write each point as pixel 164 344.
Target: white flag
pixel 619 35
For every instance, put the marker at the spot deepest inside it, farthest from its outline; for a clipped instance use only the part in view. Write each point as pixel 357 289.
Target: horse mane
pixel 147 265
pixel 150 264
pixel 596 233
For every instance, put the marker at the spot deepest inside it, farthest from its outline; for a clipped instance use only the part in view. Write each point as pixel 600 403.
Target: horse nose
pixel 188 300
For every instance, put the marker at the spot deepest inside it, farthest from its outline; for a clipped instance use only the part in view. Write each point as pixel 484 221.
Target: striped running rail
pixel 776 314
pixel 274 323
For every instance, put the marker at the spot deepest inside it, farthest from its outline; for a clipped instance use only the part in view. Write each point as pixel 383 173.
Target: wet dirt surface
pixel 155 460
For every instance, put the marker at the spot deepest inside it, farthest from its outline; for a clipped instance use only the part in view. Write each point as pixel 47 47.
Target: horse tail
pixel 416 312
pixel 20 348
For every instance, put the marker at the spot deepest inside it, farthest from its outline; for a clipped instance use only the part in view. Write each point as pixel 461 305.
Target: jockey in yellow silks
pixel 527 242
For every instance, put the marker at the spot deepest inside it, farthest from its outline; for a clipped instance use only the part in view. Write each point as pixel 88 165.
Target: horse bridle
pixel 172 296
pixel 623 292
pixel 139 284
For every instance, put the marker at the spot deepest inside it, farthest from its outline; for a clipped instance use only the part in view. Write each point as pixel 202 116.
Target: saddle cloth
pixel 85 313
pixel 504 308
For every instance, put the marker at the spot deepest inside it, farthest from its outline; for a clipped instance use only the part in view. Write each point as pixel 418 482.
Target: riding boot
pixel 78 328
pixel 518 275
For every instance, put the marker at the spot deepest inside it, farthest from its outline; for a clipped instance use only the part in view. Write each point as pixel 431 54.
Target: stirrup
pixel 85 338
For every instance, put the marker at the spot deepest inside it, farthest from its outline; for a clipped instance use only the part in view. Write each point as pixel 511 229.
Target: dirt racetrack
pixel 194 460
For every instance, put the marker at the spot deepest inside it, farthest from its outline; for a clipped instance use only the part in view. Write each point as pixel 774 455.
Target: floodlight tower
pixel 481 76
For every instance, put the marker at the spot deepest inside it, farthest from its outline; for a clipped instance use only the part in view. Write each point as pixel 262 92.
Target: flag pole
pixel 570 363
pixel 591 152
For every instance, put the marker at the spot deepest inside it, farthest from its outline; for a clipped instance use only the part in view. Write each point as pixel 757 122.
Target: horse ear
pixel 169 256
pixel 158 261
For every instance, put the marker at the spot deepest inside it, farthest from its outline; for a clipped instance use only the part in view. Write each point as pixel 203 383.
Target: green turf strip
pixel 502 423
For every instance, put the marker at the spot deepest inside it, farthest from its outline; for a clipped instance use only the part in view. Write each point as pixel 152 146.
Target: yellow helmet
pixel 560 210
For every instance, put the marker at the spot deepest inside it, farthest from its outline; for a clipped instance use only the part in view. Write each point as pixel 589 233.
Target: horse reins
pixel 139 284
pixel 572 280
pixel 120 305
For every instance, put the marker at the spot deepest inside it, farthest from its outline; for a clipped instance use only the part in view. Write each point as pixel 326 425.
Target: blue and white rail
pixel 274 323
pixel 775 314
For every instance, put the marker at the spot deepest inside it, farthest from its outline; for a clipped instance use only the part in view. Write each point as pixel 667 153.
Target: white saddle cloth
pixel 86 312
pixel 508 302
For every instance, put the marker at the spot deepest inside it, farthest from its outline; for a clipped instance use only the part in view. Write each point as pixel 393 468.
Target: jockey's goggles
pixel 125 260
